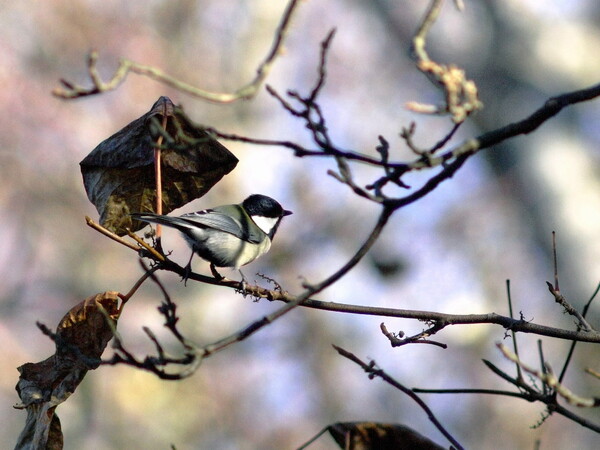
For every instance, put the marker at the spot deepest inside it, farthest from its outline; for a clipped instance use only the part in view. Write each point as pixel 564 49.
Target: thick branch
pixel 428 316
pixel 441 320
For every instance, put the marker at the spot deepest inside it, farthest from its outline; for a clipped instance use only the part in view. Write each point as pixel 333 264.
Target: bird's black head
pixel 261 205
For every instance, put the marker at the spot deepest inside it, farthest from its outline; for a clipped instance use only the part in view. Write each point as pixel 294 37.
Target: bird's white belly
pixel 226 250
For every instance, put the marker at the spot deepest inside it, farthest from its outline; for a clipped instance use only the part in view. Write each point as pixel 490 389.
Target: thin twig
pixel 301 151
pixel 543 364
pixel 526 393
pixel 168 309
pixel 549 109
pixel 398 339
pixel 442 142
pixel 460 93
pixel 373 372
pixel 471 391
pixel 555 261
pixel 158 171
pixel 138 283
pixel 547 377
pixel 96 226
pixel 514 335
pixel 144 245
pixel 562 301
pixel 190 361
pixel 586 308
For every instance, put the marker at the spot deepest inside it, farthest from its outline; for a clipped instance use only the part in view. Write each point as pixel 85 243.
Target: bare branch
pixel 586 308
pixel 455 155
pixel 527 393
pixel 193 355
pixel 543 365
pixel 593 373
pixel 460 93
pixel 562 301
pixel 110 234
pixel 441 320
pixel 373 371
pixel 148 272
pixel 159 364
pixel 398 339
pixel 548 378
pixel 514 335
pixel 126 66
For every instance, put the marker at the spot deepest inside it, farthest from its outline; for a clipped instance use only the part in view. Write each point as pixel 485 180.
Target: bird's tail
pixel 173 222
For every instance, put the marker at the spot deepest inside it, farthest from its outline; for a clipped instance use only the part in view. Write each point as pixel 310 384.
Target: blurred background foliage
pixel 451 252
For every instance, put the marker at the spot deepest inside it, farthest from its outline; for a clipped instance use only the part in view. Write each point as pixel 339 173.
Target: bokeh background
pixel 451 252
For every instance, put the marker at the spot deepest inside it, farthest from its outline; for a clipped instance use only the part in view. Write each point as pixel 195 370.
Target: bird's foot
pixel 186 275
pixel 243 284
pixel 214 272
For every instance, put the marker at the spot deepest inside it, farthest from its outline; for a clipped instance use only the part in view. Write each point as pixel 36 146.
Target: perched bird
pixel 229 235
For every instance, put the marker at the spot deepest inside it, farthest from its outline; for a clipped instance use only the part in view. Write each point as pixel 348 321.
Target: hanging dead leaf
pixel 119 175
pixel 380 436
pixel 88 326
pixel 81 337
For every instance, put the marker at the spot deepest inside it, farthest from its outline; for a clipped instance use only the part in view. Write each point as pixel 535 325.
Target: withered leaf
pixel 88 326
pixel 119 174
pixel 381 436
pixel 81 337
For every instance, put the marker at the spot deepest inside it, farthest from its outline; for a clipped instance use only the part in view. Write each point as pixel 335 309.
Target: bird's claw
pixel 214 272
pixel 186 275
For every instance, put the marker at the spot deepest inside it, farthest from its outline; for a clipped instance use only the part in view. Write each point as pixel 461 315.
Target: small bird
pixel 228 235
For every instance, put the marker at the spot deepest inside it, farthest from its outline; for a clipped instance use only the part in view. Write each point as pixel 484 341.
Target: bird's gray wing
pixel 224 222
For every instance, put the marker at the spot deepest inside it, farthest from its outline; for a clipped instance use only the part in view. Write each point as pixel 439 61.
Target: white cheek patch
pixel 265 223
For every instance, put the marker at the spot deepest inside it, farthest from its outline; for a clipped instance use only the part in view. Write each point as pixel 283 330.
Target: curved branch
pixel 126 66
pixel 450 160
pixel 193 354
pixel 549 109
pixel 460 92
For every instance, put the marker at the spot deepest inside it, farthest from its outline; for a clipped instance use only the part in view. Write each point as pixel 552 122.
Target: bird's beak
pixel 286 213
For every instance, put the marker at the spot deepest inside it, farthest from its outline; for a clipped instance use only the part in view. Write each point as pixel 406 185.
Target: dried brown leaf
pixel 380 436
pixel 119 177
pixel 85 327
pixel 81 337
